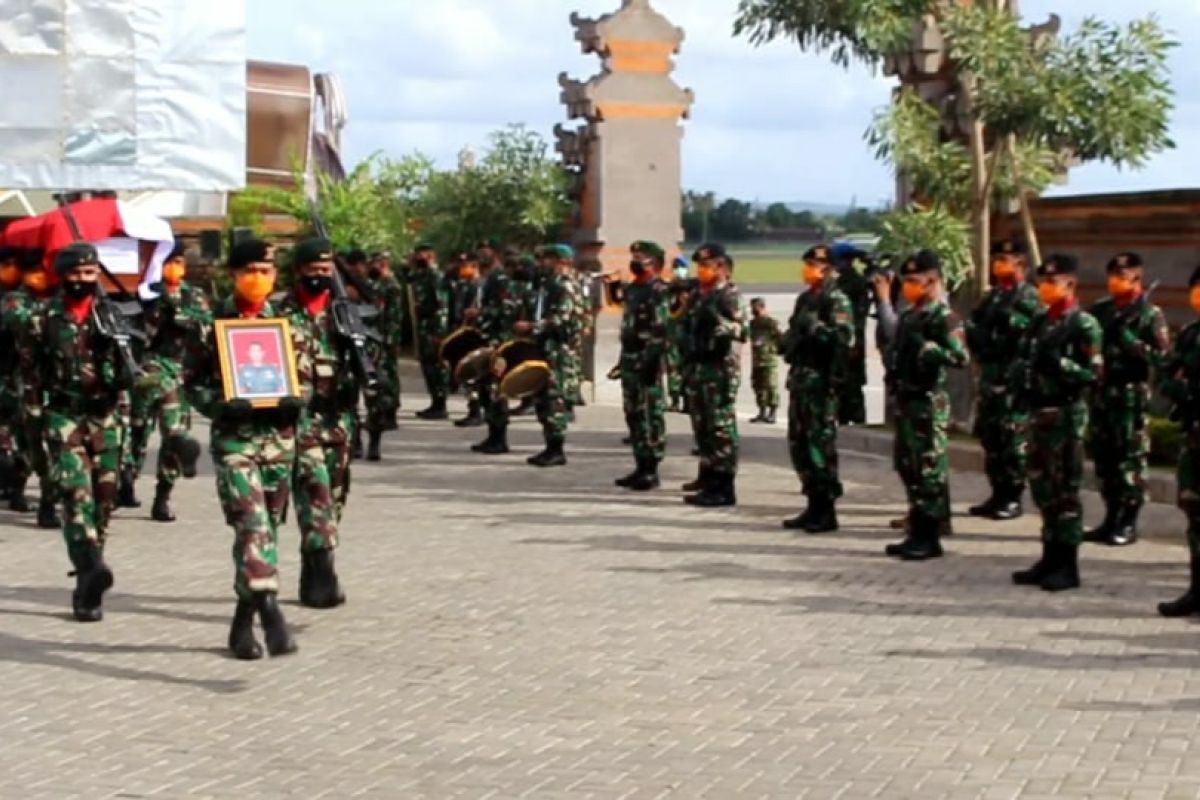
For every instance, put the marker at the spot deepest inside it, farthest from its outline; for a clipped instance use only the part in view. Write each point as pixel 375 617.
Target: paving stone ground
pixel 517 633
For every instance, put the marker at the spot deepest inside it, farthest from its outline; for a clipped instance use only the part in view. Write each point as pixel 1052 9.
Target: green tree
pixel 778 216
pixel 732 221
pixel 1025 104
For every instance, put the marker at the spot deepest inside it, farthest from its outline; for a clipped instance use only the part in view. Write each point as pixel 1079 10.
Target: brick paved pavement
pixel 513 638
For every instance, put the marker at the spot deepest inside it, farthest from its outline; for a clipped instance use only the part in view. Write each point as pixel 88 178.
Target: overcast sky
pixel 769 123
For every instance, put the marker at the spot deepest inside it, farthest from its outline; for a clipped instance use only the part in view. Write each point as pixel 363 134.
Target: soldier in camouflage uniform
pixel 852 409
pixel 1179 380
pixel 994 334
pixel 1135 342
pixel 818 347
pixel 19 310
pixel 644 322
pixel 715 327
pixel 14 466
pixel 554 333
pixel 430 302
pixel 765 341
pixel 73 384
pixel 929 339
pixel 506 300
pixel 464 306
pixel 1061 360
pixel 678 290
pixel 170 320
pixel 387 324
pixel 254 450
pixel 321 482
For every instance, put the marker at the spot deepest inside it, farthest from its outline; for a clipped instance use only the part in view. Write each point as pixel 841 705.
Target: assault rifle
pixel 110 316
pixel 347 319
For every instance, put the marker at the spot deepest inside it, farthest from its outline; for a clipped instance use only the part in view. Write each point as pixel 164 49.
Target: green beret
pixel 1125 261
pixel 651 249
pixel 1058 264
pixel 79 254
pixel 247 252
pixel 527 261
pixel 311 251
pixel 558 251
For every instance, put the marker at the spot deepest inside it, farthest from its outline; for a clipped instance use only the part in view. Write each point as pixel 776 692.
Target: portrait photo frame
pixel 258 361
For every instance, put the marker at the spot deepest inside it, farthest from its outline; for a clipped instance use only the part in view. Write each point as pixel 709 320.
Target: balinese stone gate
pixel 625 159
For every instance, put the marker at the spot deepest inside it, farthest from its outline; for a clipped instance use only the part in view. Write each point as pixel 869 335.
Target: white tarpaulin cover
pixel 123 94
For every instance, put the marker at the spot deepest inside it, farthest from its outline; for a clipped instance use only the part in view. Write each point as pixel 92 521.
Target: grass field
pixel 779 264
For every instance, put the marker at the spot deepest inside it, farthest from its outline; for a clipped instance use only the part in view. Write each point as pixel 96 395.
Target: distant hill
pixel 835 209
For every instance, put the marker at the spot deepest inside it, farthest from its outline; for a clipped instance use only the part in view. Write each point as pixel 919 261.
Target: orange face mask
pixel 1194 298
pixel 254 287
pixel 37 281
pixel 706 274
pixel 914 292
pixel 173 273
pixel 1052 293
pixel 813 274
pixel 1121 287
pixel 468 273
pixel 1004 269
pixel 10 276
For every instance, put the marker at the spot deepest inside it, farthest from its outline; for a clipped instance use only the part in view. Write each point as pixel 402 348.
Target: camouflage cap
pixel 1058 264
pixel 1008 247
pixel 920 263
pixel 247 252
pixel 817 255
pixel 310 251
pixel 652 249
pixel 79 254
pixel 1124 261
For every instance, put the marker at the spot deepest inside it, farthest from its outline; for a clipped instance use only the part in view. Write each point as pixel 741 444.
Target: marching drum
pixel 521 369
pixel 467 354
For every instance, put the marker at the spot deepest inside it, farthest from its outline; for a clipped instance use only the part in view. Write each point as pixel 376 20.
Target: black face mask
pixel 374 273
pixel 317 284
pixel 78 290
pixel 637 267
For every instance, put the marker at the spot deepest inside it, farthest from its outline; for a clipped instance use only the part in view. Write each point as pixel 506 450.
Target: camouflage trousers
pixel 1187 477
pixel 573 379
pixel 920 452
pixel 764 380
pixel 321 482
pixel 160 404
pixel 254 477
pixel 674 373
pixel 852 405
pixel 495 407
pixel 812 435
pixel 383 402
pixel 1002 428
pixel 1056 470
pixel 34 445
pixel 712 402
pixel 553 406
pixel 1120 441
pixel 437 378
pixel 645 412
pixel 85 458
pixel 12 444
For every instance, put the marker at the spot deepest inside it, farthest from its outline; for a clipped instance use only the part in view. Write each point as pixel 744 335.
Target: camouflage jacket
pixel 714 325
pixel 16 316
pixel 820 332
pixel 929 340
pixel 644 323
pixel 857 291
pixel 559 299
pixel 766 339
pixel 1060 358
pixel 1179 378
pixel 1136 340
pixel 997 326
pixel 497 309
pixel 327 381
pixel 171 319
pixel 429 300
pixel 73 369
pixel 464 294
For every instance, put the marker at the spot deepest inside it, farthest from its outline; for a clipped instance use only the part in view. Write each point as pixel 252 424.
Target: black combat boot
pixel 1009 505
pixel 627 480
pixel 1063 573
pixel 703 476
pixel 186 450
pixel 92 579
pixel 761 416
pixel 126 496
pixel 474 417
pixel 1124 530
pixel 719 493
pixel 436 410
pixel 798 522
pixel 1189 602
pixel 374 443
pixel 319 586
pixel 647 476
pixel 496 442
pixel 823 516
pixel 17 501
pixel 242 643
pixel 552 456
pixel 770 420
pixel 356 445
pixel 275 630
pixel 1034 575
pixel 1101 533
pixel 161 511
pixel 47 515
pixel 923 540
pixel 987 507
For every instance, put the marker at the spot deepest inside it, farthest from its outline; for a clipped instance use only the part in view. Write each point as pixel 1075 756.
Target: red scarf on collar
pixel 248 309
pixel 80 309
pixel 1057 311
pixel 315 304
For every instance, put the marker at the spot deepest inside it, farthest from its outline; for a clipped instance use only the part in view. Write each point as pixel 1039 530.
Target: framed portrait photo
pixel 257 360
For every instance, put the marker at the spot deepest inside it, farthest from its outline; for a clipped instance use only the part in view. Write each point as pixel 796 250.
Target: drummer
pixel 506 298
pixel 464 310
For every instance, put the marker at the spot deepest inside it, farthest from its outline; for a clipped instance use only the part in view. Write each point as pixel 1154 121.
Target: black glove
pixel 290 408
pixel 236 411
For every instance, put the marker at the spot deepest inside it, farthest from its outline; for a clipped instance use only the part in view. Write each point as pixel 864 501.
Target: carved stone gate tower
pixel 625 159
